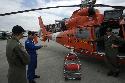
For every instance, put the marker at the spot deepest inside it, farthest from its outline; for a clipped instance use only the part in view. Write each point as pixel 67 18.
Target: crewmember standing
pixel 17 57
pixel 111 50
pixel 31 49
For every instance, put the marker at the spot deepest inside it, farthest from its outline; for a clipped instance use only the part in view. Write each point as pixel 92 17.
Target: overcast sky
pixel 29 21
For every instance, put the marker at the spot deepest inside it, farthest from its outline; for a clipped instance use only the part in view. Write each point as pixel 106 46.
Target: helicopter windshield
pixel 112 14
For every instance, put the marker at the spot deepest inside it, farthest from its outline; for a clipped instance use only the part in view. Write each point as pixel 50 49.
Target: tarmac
pixel 50 66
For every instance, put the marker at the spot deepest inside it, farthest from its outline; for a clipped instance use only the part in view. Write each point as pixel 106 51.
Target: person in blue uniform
pixel 31 50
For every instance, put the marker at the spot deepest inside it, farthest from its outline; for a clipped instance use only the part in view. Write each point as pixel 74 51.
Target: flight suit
pixel 111 58
pixel 17 59
pixel 31 49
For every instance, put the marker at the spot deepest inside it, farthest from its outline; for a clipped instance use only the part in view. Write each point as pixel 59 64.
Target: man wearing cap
pixel 17 57
pixel 31 49
pixel 111 50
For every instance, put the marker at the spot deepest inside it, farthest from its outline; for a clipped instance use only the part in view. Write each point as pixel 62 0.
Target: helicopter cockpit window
pixel 82 33
pixel 112 14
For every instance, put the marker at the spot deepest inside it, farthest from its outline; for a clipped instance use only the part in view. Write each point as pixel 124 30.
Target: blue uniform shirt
pixel 31 48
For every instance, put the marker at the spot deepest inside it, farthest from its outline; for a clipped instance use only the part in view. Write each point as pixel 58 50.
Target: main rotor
pixel 85 3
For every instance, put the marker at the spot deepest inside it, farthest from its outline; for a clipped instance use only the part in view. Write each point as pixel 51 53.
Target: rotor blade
pixel 37 9
pixel 118 7
pixel 103 5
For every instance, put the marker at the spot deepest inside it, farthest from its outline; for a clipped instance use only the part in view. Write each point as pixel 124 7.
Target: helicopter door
pixel 121 34
pixel 99 32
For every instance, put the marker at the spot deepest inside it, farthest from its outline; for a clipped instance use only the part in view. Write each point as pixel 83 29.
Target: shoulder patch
pixel 27 42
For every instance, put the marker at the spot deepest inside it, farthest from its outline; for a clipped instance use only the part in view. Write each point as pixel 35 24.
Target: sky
pixel 29 20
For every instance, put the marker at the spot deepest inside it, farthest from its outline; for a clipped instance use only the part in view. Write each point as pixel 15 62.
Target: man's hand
pixel 114 46
pixel 40 46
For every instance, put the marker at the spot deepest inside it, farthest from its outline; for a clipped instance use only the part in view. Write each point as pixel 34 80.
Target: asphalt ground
pixel 50 66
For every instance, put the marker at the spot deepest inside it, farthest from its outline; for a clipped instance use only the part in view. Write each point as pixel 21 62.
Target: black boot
pixel 116 73
pixel 32 81
pixel 110 73
pixel 36 76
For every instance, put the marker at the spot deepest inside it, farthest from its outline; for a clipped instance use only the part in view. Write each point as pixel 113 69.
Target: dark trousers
pixel 31 71
pixel 112 63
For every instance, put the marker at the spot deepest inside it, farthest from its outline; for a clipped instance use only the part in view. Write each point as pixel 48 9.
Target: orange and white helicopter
pixel 87 24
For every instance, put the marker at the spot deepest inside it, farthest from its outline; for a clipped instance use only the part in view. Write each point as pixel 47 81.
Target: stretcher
pixel 72 67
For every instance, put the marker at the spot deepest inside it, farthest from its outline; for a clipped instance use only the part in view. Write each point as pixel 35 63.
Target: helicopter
pixel 85 25
pixel 5 35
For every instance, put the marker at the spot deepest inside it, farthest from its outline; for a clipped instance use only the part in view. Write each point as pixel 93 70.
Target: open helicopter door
pixel 111 19
pixel 122 23
pixel 122 30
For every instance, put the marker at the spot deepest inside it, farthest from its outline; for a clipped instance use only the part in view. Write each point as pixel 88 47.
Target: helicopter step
pixel 121 55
